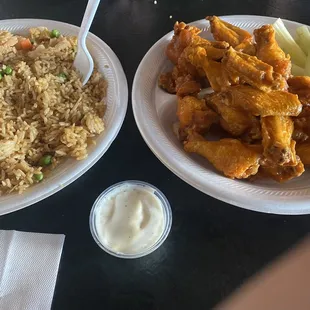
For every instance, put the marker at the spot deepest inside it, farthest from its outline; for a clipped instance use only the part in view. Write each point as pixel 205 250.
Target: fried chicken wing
pixel 185 83
pixel 194 115
pixel 215 49
pixel 258 148
pixel 300 136
pixel 238 38
pixel 216 74
pixel 187 86
pixel 182 85
pixel 253 71
pixel 167 82
pixel 229 156
pixel 183 35
pixel 279 148
pixel 300 85
pixel 234 120
pixel 302 125
pixel 247 47
pixel 305 112
pixel 283 173
pixel 180 82
pixel 186 78
pixel 303 151
pixel 249 134
pixel 255 100
pixel 259 103
pixel 214 53
pixel 185 67
pixel 268 50
pixel 254 133
pixel 223 31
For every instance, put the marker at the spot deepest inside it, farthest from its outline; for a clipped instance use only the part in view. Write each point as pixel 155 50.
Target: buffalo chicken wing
pixel 279 148
pixel 183 35
pixel 234 120
pixel 300 85
pixel 194 115
pixel 218 78
pixel 284 173
pixel 263 110
pixel 303 151
pixel 253 71
pixel 230 156
pixel 259 103
pixel 268 50
pixel 235 36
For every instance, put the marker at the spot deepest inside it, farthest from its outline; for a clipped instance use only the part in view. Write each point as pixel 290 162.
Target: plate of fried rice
pixel 52 128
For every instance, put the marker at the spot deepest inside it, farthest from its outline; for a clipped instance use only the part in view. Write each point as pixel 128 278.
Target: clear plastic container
pixel 166 211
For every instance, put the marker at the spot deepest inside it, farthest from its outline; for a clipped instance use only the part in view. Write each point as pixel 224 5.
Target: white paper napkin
pixel 28 269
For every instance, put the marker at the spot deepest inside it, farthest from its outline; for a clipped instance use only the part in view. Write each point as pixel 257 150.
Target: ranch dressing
pixel 130 219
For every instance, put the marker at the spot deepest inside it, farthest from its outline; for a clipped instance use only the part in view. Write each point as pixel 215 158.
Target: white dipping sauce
pixel 130 219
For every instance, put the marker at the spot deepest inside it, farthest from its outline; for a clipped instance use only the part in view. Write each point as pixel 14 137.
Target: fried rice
pixel 44 109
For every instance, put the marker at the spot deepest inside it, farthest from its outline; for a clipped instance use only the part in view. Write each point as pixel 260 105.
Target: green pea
pixel 45 160
pixel 63 76
pixel 38 177
pixel 8 70
pixel 55 33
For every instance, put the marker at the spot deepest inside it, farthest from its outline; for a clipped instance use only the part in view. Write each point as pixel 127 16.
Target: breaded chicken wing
pixel 268 50
pixel 229 156
pixel 253 71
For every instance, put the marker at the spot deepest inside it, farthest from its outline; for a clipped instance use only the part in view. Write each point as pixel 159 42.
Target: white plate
pixel 117 98
pixel 155 110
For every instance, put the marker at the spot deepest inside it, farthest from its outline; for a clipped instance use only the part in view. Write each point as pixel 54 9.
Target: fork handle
pixel 89 14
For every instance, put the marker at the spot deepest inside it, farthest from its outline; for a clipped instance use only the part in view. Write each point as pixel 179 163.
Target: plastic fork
pixel 83 61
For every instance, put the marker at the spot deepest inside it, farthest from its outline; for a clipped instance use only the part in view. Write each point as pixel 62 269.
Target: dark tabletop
pixel 213 247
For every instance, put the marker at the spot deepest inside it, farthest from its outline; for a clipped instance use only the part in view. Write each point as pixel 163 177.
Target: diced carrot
pixel 25 44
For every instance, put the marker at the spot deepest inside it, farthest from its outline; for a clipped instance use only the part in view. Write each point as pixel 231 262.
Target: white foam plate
pixel 116 100
pixel 155 111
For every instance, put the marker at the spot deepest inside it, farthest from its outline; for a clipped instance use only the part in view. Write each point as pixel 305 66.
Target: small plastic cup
pixel 167 219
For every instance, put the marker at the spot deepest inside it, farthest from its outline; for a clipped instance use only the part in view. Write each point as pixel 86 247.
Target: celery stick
pixel 297 71
pixel 287 42
pixel 303 34
pixel 307 65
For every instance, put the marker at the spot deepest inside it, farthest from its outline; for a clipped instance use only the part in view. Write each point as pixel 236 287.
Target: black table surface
pixel 213 247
